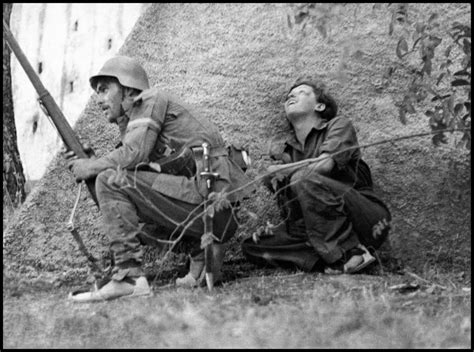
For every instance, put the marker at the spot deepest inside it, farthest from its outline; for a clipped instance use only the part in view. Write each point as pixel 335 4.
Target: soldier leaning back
pixel 151 123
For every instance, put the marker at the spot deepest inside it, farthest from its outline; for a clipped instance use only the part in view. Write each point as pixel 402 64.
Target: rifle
pixel 66 132
pixel 47 102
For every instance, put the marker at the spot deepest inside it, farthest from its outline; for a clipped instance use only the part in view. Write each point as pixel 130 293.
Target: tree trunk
pixel 13 177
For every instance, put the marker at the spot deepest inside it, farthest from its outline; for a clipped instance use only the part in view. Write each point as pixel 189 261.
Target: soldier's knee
pixel 303 177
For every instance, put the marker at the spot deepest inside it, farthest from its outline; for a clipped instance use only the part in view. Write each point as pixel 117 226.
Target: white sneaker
pixel 128 287
pixel 359 261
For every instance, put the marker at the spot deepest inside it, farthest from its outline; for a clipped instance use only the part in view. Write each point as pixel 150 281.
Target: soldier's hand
pixel 82 168
pixel 70 155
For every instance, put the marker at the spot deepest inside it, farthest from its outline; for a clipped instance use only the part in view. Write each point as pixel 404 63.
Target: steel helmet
pixel 127 70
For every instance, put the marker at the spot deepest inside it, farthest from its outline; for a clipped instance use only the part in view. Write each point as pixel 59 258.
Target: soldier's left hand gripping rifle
pixel 66 132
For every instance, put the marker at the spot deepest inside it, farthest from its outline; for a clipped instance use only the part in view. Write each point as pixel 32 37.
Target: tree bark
pixel 13 177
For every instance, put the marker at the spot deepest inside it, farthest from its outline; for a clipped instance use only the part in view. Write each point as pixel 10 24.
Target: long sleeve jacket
pixel 155 122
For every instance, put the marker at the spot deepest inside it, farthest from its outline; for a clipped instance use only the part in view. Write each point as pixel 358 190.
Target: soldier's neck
pixel 302 125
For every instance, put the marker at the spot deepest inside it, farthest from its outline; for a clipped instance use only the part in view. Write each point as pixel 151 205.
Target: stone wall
pixel 234 62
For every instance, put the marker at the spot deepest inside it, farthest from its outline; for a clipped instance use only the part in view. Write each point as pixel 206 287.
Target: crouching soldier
pixel 332 215
pixel 134 187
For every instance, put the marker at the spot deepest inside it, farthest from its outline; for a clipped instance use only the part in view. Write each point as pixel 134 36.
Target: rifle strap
pixel 70 225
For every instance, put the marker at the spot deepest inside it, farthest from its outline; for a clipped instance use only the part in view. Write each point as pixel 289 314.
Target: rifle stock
pixel 57 117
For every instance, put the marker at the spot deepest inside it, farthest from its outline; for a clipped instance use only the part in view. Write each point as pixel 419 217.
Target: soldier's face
pixel 300 100
pixel 110 97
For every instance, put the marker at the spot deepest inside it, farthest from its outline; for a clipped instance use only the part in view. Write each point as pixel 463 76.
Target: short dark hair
pixel 322 96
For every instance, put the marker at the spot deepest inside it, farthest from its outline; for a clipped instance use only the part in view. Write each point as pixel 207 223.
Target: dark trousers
pixel 324 219
pixel 128 201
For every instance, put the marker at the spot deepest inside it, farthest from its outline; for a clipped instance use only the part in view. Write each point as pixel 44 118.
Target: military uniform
pixel 325 216
pixel 156 124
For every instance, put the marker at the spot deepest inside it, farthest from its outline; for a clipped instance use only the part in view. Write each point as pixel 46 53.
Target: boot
pixel 197 271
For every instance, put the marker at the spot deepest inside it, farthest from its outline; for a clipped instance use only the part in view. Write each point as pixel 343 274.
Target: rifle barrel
pixel 57 117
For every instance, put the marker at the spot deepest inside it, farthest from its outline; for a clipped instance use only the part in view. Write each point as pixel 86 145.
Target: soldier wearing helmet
pixel 140 201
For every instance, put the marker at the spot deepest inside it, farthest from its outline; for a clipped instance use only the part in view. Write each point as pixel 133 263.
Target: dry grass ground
pixel 277 310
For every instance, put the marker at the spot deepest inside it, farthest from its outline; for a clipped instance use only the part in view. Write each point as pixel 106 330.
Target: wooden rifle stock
pixel 57 117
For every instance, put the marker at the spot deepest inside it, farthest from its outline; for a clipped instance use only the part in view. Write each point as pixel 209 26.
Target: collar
pixel 298 138
pixel 129 103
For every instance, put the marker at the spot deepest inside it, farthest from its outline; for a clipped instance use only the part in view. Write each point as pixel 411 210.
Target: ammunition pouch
pixel 180 163
pixel 183 162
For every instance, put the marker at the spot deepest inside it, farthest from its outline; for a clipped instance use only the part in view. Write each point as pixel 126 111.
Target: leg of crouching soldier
pixel 340 220
pixel 224 227
pixel 133 200
pixel 120 224
pixel 120 220
pixel 328 225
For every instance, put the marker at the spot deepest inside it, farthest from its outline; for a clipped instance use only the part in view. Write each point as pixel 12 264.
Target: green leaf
pixel 299 17
pixel 417 41
pixel 439 138
pixel 435 40
pixel 466 61
pixel 433 17
pixel 402 115
pixel 402 47
pixel 460 82
pixel 322 30
pixel 420 27
pixel 408 105
pixel 458 108
pixel 461 73
pixel 388 72
pixel 440 77
pixel 427 67
pixel 429 113
pixel 448 50
pixel 466 46
pixel 377 6
pixel 289 21
pixel 450 103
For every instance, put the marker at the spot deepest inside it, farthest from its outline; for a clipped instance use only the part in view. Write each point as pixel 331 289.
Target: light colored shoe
pixel 359 261
pixel 129 287
pixel 197 274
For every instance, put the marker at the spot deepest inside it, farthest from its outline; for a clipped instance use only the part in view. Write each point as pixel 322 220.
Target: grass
pixel 279 310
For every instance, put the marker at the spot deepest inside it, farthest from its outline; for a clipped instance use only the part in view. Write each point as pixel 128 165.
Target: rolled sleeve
pixel 341 135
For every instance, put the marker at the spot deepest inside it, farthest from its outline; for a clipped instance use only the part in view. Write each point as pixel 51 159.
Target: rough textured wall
pixel 234 62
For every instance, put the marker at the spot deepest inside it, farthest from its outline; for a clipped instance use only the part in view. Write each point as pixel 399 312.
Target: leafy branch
pixel 450 104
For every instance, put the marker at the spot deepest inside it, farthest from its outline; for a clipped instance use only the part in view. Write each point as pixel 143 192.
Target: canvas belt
pixel 214 151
